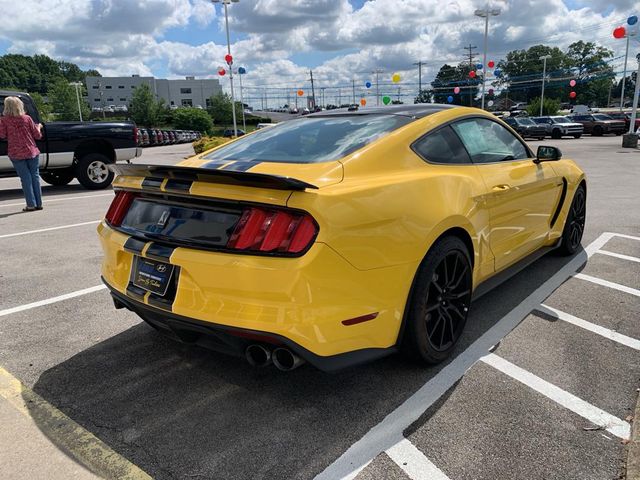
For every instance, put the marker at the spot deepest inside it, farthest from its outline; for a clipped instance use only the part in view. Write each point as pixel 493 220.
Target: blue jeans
pixel 28 172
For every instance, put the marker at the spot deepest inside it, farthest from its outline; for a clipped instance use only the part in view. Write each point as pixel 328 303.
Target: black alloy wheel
pixel 574 226
pixel 440 301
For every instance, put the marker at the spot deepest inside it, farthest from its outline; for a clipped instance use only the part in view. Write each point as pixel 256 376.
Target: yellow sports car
pixel 340 237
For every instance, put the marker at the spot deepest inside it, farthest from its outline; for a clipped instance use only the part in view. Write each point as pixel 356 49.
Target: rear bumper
pixel 303 300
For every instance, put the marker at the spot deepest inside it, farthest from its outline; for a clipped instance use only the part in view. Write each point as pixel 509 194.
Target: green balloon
pixel 386 100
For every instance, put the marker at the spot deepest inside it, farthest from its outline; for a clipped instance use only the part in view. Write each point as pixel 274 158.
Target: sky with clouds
pixel 278 41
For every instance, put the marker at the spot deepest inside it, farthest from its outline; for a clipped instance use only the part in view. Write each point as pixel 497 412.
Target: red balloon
pixel 222 72
pixel 228 58
pixel 572 83
pixel 619 32
pixel 491 64
pixel 491 91
pixel 572 94
pixel 472 74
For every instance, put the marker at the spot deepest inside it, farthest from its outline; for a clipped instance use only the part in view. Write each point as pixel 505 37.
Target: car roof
pixel 413 111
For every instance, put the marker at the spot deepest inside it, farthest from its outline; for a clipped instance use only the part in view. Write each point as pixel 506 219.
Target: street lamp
pixel 77 84
pixel 242 71
pixel 544 59
pixel 233 100
pixel 636 94
pixel 486 13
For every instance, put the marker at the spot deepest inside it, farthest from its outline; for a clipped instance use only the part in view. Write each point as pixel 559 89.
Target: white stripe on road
pixel 49 229
pixel 599 417
pixel 49 301
pixel 62 199
pixel 619 255
pixel 413 462
pixel 607 283
pixel 630 237
pixel 385 434
pixel 592 327
pixel 599 242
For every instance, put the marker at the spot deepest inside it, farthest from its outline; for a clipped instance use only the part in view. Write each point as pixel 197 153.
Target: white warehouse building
pixel 104 91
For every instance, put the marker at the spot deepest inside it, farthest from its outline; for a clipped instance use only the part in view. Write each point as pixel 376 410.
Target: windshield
pixel 526 121
pixel 310 140
pixel 561 120
pixel 600 116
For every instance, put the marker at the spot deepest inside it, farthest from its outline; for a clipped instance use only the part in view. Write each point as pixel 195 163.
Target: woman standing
pixel 21 134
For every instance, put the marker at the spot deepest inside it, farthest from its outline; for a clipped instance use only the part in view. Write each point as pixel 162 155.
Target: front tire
pixel 92 171
pixel 59 177
pixel 597 131
pixel 574 226
pixel 577 135
pixel 439 303
pixel 556 134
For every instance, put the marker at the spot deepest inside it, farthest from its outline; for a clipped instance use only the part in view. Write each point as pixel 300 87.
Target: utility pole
pixel 544 59
pixel 339 97
pixel 322 90
pixel 472 55
pixel 313 91
pixel 353 86
pixel 377 73
pixel 419 63
pixel 398 94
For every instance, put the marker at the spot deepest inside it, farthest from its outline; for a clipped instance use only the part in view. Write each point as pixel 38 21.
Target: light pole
pixel 486 13
pixel 242 71
pixel 636 94
pixel 233 100
pixel 544 59
pixel 77 84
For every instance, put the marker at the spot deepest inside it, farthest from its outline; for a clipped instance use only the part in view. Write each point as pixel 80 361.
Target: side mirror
pixel 546 154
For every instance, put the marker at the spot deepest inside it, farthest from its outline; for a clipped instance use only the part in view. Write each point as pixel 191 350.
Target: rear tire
pixel 541 138
pixel 92 171
pixel 58 177
pixel 439 303
pixel 597 131
pixel 556 134
pixel 574 226
pixel 578 135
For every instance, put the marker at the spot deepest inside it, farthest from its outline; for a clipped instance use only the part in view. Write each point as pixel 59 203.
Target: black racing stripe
pixel 159 252
pixel 152 183
pixel 241 166
pixel 133 245
pixel 136 292
pixel 178 185
pixel 160 302
pixel 215 164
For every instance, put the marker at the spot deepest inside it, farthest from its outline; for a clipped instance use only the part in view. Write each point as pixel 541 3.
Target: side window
pixel 488 141
pixel 441 146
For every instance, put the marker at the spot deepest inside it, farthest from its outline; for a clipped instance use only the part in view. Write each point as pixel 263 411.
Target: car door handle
pixel 501 188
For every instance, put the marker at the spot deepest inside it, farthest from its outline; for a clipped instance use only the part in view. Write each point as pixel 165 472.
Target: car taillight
pixel 119 208
pixel 275 231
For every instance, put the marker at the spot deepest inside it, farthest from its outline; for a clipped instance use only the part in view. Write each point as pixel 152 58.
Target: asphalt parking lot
pixel 542 386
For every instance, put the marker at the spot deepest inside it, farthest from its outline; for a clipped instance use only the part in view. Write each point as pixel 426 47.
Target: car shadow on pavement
pixel 179 411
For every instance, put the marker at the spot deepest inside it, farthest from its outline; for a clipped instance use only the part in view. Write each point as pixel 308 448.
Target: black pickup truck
pixel 75 150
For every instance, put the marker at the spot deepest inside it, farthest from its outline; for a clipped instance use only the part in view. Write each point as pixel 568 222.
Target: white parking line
pixel 599 417
pixel 630 237
pixel 62 199
pixel 619 255
pixel 607 283
pixel 49 301
pixel 592 327
pixel 49 229
pixel 413 462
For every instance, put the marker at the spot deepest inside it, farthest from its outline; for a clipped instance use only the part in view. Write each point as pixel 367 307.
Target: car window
pixel 442 146
pixel 542 120
pixel 488 141
pixel 310 140
pixel 526 121
pixel 561 120
pixel 601 116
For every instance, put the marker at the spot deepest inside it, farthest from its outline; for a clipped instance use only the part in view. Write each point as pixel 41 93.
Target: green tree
pixel 43 107
pixel 220 109
pixel 144 108
pixel 450 77
pixel 595 76
pixel 425 96
pixel 192 119
pixel 64 103
pixel 550 106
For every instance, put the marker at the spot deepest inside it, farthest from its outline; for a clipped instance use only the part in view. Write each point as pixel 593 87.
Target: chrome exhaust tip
pixel 257 355
pixel 285 360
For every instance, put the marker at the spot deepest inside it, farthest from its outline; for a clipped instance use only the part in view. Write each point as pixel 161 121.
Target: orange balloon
pixel 300 93
pixel 363 102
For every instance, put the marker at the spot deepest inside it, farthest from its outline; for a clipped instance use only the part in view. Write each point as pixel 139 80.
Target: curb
pixel 633 450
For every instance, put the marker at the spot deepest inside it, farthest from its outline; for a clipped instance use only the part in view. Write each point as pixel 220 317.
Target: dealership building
pixel 103 91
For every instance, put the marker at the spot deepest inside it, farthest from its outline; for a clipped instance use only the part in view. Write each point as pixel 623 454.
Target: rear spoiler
pixel 226 177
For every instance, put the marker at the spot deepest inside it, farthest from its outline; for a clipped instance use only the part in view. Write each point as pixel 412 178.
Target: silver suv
pixel 558 126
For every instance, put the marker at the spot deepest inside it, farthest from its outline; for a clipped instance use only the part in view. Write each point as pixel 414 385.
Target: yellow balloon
pixel 395 77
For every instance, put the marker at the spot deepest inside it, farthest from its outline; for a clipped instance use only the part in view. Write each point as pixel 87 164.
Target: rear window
pixel 310 140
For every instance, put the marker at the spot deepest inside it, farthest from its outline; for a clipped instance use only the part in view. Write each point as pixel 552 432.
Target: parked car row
pixel 152 137
pixel 573 125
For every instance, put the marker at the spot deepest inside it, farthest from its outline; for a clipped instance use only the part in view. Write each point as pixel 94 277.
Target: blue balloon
pixel 449 99
pixel 368 84
pixel 479 66
pixel 632 20
pixel 242 71
pixel 497 72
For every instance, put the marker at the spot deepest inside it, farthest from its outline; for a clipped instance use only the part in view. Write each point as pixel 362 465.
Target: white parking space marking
pixel 607 283
pixel 592 327
pixel 49 301
pixel 49 229
pixel 413 462
pixel 62 199
pixel 599 417
pixel 622 235
pixel 619 255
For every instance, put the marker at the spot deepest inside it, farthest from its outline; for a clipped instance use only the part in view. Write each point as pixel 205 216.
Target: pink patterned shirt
pixel 21 134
